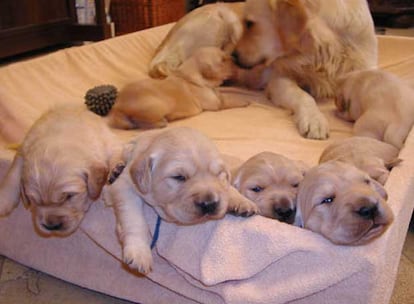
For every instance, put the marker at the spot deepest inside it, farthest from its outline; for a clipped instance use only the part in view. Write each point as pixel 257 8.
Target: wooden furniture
pixel 27 25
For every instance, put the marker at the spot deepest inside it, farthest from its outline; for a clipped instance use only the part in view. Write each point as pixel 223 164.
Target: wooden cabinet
pixel 27 25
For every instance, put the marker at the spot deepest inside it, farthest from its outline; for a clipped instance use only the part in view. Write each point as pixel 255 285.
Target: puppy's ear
pixel 236 177
pixel 10 186
pixel 379 189
pixel 141 173
pixel 291 21
pixel 393 163
pixel 96 178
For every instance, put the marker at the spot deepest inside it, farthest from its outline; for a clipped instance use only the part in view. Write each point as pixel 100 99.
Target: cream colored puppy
pixel 178 172
pixel 60 168
pixel 381 105
pixel 188 91
pixel 343 204
pixel 309 45
pixel 215 25
pixel 368 154
pixel 271 181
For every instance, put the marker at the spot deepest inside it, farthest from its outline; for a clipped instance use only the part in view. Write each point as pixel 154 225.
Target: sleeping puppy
pixel 368 154
pixel 178 172
pixel 343 204
pixel 151 103
pixel 381 105
pixel 190 33
pixel 60 168
pixel 271 181
pixel 309 45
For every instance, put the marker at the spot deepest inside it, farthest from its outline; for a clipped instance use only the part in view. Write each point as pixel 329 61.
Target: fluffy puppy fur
pixel 215 25
pixel 381 105
pixel 368 154
pixel 151 103
pixel 271 181
pixel 309 44
pixel 343 204
pixel 60 168
pixel 178 172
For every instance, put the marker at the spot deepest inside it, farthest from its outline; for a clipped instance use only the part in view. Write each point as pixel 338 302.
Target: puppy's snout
pixel 207 207
pixel 284 214
pixel 368 212
pixel 53 224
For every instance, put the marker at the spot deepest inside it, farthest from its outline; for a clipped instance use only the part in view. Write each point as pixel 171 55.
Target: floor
pixel 19 284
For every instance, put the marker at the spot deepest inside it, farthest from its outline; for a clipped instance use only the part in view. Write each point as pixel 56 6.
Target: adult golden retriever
pixel 308 44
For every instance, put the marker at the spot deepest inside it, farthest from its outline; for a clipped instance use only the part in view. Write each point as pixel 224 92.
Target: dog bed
pixel 233 260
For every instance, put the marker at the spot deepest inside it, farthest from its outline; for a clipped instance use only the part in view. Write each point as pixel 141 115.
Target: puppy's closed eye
pixel 179 178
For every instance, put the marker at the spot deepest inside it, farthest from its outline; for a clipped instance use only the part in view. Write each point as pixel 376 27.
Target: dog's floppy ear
pixel 10 186
pixel 291 20
pixel 379 189
pixel 96 178
pixel 141 172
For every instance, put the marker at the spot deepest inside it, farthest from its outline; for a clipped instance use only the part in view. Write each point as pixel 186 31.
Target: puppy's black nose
pixel 368 212
pixel 53 226
pixel 207 207
pixel 284 214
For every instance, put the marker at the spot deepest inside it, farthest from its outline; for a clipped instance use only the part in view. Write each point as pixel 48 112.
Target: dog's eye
pixel 179 178
pixel 367 181
pixel 249 24
pixel 295 185
pixel 328 200
pixel 67 196
pixel 257 189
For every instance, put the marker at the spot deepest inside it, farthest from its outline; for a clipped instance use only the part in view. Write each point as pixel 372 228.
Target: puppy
pixel 309 45
pixel 187 92
pixel 271 181
pixel 381 105
pixel 368 154
pixel 60 168
pixel 343 204
pixel 180 174
pixel 215 25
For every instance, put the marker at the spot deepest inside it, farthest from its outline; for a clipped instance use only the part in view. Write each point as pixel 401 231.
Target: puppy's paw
pixel 312 124
pixel 138 257
pixel 244 207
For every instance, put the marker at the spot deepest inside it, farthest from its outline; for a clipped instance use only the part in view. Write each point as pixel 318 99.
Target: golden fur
pixel 381 105
pixel 186 92
pixel 178 172
pixel 271 181
pixel 61 167
pixel 343 204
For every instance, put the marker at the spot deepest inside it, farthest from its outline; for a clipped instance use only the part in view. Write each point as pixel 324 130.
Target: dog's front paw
pixel 312 125
pixel 244 207
pixel 138 257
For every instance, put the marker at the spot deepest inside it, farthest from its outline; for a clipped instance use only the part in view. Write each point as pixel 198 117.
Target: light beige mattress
pixel 233 260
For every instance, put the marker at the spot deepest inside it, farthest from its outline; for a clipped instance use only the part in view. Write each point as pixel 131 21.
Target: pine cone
pixel 100 99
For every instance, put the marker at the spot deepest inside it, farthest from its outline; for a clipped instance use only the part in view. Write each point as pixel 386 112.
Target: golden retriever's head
pixel 59 190
pixel 271 181
pixel 208 66
pixel 182 176
pixel 272 28
pixel 343 204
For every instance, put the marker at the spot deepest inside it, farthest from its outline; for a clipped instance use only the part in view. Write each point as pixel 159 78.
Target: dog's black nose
pixel 53 226
pixel 368 212
pixel 284 214
pixel 207 207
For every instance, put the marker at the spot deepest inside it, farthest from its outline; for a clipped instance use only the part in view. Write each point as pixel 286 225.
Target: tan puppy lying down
pixel 381 105
pixel 178 172
pixel 60 168
pixel 271 181
pixel 343 204
pixel 309 45
pixel 215 25
pixel 151 103
pixel 368 154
